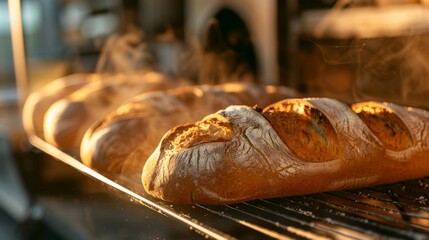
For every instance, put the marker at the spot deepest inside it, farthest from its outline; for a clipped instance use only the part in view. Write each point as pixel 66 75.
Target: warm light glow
pixel 369 107
pixel 18 49
pixel 299 108
pixel 233 87
pixel 263 230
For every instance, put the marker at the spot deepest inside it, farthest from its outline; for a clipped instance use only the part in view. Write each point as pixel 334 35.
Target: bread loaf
pixel 122 141
pixel 66 120
pixel 292 147
pixel 39 101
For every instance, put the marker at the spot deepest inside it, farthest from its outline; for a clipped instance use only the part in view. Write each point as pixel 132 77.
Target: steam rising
pixel 396 69
pixel 384 49
pixel 125 54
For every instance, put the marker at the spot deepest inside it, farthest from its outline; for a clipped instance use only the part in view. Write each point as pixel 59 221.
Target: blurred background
pixel 352 50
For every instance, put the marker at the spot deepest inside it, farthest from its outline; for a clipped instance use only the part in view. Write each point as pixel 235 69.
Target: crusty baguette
pixel 122 141
pixel 293 147
pixel 39 101
pixel 67 119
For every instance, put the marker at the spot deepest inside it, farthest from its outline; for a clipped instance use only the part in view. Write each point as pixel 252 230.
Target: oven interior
pixel 350 50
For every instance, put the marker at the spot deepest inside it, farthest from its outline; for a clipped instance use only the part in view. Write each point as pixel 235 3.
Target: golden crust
pixel 257 162
pixel 39 101
pixel 156 113
pixel 210 129
pixel 385 124
pixel 68 119
pixel 304 129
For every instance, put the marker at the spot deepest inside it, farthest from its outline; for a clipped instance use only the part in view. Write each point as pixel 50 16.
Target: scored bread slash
pixel 120 143
pixel 257 108
pixel 292 147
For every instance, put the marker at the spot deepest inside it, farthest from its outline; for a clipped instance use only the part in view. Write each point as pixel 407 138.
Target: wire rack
pixel 395 211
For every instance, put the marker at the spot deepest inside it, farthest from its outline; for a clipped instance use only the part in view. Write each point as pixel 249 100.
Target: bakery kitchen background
pixel 352 50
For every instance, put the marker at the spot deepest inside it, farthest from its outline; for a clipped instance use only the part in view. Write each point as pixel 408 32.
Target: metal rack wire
pixel 395 211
